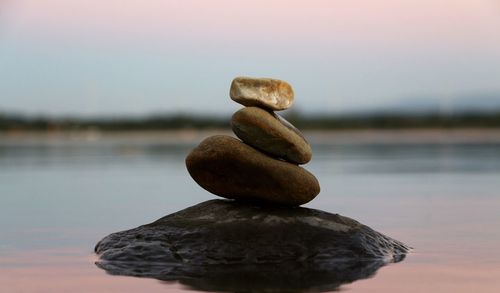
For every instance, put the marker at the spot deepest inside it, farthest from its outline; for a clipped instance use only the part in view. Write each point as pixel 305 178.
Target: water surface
pixel 59 196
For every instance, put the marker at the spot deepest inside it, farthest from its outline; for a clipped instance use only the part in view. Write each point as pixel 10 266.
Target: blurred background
pixel 101 101
pixel 136 60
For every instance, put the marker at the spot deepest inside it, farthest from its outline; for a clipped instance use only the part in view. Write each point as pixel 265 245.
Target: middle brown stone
pixel 270 133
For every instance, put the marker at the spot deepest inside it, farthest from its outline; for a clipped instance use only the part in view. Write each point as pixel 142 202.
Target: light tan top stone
pixel 267 93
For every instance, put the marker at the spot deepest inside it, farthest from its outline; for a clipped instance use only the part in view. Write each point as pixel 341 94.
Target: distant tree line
pixel 396 121
pixel 184 121
pixel 166 122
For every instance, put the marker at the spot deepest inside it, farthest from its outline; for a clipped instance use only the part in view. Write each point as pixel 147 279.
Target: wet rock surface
pixel 219 242
pixel 272 134
pixel 229 168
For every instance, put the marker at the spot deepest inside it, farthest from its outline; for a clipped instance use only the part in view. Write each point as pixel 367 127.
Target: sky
pixel 139 57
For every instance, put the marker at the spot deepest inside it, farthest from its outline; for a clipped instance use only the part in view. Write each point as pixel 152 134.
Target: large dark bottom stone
pixel 222 245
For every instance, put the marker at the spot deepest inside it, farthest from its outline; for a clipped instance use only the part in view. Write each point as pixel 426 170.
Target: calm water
pixel 58 197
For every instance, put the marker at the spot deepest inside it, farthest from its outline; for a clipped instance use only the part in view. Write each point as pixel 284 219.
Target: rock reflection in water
pixel 286 277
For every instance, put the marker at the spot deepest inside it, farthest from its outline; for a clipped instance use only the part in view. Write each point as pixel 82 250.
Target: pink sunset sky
pixel 91 57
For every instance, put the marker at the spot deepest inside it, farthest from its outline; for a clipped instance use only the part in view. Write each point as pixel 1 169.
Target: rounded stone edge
pixel 296 200
pixel 295 157
pixel 234 95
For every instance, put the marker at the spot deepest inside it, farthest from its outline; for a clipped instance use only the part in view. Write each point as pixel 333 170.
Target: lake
pixel 437 191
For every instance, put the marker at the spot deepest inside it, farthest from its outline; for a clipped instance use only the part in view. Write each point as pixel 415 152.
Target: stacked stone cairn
pixel 252 245
pixel 264 165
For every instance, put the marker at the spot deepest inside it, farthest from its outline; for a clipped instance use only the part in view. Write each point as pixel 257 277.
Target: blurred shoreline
pixel 194 136
pixel 388 120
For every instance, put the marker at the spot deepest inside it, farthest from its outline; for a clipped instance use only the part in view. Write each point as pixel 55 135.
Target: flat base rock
pixel 223 245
